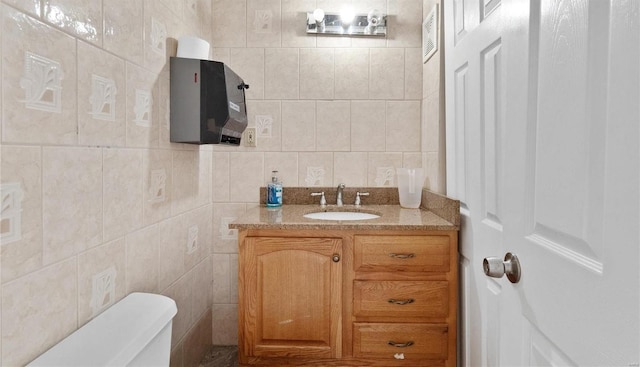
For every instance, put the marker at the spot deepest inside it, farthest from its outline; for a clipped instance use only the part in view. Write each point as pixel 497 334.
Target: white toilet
pixel 134 332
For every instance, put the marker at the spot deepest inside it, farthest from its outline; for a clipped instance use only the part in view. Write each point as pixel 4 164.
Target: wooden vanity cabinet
pixel 347 298
pixel 291 296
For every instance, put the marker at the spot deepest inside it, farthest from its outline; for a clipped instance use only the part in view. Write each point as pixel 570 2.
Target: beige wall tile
pixel 266 117
pixel 229 23
pixel 198 341
pixel 352 73
pixel 246 172
pixel 36 111
pixel 30 6
pixel 35 314
pixel 233 275
pixel 382 169
pixel 221 185
pixel 142 107
pixel 202 11
pixel 101 97
pixel 82 18
pixel 180 292
pixel 72 201
pixel 142 260
pixel 248 63
pixel 221 54
pixel 196 238
pixel 315 169
pixel 205 161
pixel 122 191
pixel 333 127
pixel 386 78
pixel 202 289
pixel 164 114
pixel 368 126
pixel 413 73
pixel 225 240
pixel 159 24
pixel 157 186
pixel 432 181
pixel 298 125
pixel 294 20
pixel 221 286
pixel 281 73
pixel 225 324
pixel 171 251
pixel 317 73
pixel 263 23
pixel 124 29
pixel 403 126
pixel 350 169
pixel 177 356
pixel 431 123
pixel 412 160
pixel 285 163
pixel 94 266
pixel 186 177
pixel 406 29
pixel 21 181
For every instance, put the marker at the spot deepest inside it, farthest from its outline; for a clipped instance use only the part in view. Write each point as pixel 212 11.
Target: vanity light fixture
pixel 347 23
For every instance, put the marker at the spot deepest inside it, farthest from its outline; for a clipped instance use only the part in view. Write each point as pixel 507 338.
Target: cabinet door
pixel 292 297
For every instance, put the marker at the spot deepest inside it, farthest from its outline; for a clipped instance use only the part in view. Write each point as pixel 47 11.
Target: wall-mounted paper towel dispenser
pixel 207 102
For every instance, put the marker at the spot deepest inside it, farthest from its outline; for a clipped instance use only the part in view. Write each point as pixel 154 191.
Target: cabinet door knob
pixel 400 345
pixel 401 301
pixel 335 258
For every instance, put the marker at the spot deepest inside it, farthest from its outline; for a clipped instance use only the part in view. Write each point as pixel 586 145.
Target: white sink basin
pixel 341 216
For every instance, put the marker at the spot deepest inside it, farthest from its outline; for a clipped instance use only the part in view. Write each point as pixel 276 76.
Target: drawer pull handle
pixel 402 256
pixel 401 301
pixel 400 345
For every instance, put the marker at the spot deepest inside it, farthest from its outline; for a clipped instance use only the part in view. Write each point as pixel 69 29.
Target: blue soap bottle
pixel 274 191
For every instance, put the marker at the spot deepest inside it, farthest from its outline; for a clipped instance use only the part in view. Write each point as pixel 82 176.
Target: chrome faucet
pixel 339 195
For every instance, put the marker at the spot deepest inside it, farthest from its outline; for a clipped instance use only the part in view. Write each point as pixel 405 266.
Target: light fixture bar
pixel 371 25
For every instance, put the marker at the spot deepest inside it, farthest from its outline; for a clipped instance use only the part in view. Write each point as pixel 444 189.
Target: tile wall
pixel 327 110
pixel 92 190
pixel 96 203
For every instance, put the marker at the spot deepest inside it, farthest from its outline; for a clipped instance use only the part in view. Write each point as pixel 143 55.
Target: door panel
pixel 542 149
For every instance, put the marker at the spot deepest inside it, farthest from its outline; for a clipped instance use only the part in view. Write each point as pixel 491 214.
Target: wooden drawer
pixel 373 340
pixel 391 299
pixel 401 253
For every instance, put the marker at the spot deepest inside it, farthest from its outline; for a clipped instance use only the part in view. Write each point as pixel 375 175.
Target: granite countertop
pixel 437 212
pixel 392 217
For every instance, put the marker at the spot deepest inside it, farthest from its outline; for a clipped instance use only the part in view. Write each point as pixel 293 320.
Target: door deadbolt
pixel 496 267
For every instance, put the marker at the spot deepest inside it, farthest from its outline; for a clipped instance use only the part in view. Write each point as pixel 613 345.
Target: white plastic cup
pixel 410 183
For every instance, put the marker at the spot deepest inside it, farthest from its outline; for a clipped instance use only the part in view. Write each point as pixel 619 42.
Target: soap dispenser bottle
pixel 274 191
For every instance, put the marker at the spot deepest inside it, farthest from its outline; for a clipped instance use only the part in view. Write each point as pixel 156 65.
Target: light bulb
pixel 347 15
pixel 374 17
pixel 318 15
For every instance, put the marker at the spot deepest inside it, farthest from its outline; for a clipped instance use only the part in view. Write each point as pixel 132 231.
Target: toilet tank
pixel 134 332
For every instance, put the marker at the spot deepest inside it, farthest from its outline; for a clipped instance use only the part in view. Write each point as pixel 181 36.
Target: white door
pixel 543 128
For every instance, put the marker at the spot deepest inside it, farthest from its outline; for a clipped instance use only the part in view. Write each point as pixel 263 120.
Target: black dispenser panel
pixel 207 103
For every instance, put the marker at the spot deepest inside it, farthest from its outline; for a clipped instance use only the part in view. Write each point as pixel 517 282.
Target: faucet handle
pixel 358 194
pixel 323 201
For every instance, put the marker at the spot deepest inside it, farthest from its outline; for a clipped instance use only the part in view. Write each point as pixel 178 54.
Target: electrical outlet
pixel 250 138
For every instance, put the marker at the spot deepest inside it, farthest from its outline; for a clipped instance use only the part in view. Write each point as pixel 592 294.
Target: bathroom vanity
pixel 377 292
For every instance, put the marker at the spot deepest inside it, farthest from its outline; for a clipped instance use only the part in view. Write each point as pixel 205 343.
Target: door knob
pixel 496 268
